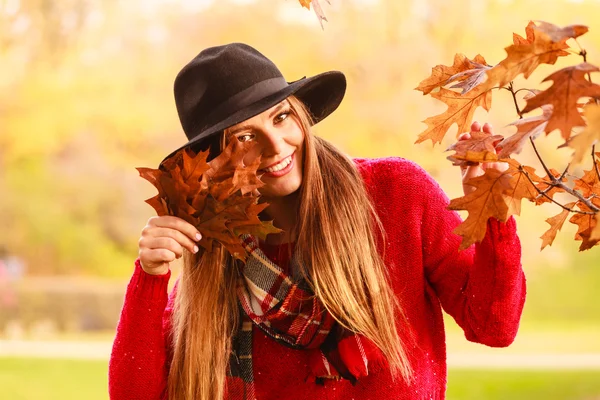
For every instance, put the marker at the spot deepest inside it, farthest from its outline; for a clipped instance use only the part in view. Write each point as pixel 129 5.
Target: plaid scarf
pixel 285 309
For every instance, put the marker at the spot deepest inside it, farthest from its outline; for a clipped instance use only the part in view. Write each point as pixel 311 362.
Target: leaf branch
pixel 511 89
pixel 594 161
pixel 557 182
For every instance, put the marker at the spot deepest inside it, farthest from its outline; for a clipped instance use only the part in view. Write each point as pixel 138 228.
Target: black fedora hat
pixel 225 85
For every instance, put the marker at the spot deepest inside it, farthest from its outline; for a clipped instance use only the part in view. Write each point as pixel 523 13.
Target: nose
pixel 271 142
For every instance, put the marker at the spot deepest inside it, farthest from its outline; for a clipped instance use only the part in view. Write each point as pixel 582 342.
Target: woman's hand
pixel 476 169
pixel 162 241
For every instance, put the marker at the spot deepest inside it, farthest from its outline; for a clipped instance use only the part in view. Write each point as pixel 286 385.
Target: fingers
pixel 180 238
pixel 487 128
pixel 163 240
pixel 167 221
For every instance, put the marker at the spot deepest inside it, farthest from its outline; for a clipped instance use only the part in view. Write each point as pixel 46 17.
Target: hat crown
pixel 212 77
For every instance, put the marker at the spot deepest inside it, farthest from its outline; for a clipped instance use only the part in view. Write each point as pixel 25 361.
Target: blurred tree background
pixel 86 96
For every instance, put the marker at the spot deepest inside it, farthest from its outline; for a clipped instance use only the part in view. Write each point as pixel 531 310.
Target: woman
pixel 347 302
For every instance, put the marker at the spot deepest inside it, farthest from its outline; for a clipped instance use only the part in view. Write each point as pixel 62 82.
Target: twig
pixel 510 88
pixel 594 161
pixel 543 193
pixel 560 178
pixel 557 182
pixel 542 161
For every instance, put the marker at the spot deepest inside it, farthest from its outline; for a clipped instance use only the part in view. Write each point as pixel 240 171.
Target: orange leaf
pixel 517 39
pixel 488 200
pixel 524 57
pixel 460 111
pixel 521 187
pixel 305 3
pixel 582 143
pixel 589 183
pixel 471 78
pixel 586 225
pixel 527 128
pixel 558 34
pixel 218 197
pixel 556 224
pixel 479 142
pixel 441 74
pixel 497 194
pixel 569 84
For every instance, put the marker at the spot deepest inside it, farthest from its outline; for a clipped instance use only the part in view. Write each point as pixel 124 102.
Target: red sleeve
pixel 483 287
pixel 138 366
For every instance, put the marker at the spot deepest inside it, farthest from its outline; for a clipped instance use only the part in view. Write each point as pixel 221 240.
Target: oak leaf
pixel 497 194
pixel 487 201
pixel 558 34
pixel 531 127
pixel 583 142
pixel 530 35
pixel 479 142
pixel 522 181
pixel 317 9
pixel 586 225
pixel 461 109
pixel 441 74
pixel 569 85
pixel 218 197
pixel 556 224
pixel 472 77
pixel 524 56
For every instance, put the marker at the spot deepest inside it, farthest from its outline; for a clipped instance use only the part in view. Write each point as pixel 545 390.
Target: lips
pixel 283 167
pixel 278 166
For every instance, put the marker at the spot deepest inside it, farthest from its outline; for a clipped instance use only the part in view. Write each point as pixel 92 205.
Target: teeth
pixel 284 163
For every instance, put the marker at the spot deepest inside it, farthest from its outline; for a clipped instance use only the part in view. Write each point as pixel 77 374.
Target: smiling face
pixel 279 138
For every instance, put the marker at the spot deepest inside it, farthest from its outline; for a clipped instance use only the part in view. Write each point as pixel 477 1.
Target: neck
pixel 283 212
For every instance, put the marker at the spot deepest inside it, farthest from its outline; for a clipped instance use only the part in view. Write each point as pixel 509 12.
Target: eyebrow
pixel 275 111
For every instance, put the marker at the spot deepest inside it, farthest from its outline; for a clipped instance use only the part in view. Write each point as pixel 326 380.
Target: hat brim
pixel 321 94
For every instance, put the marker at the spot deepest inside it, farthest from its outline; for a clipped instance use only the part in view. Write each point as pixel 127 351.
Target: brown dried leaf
pixel 558 34
pixel 218 197
pixel 586 224
pixel 488 200
pixel 441 74
pixel 471 78
pixel 589 183
pixel 521 187
pixel 569 85
pixel 556 224
pixel 479 142
pixel 517 39
pixel 524 57
pixel 582 143
pixel 527 128
pixel 497 194
pixel 461 109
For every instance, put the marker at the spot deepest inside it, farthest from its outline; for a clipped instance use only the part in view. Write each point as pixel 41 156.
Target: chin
pixel 280 190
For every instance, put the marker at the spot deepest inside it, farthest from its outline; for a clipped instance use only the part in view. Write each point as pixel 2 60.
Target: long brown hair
pixel 336 231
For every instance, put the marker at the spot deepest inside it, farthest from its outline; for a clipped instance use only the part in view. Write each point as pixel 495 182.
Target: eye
pixel 282 116
pixel 245 137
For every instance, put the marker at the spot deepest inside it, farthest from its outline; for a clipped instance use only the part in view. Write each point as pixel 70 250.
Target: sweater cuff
pixel 147 286
pixel 502 230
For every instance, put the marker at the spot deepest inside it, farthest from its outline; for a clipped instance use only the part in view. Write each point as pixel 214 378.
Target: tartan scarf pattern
pixel 285 308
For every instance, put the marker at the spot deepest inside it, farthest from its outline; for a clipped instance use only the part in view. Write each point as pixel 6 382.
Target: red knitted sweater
pixel 483 288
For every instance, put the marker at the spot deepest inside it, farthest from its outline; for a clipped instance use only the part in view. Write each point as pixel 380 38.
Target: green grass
pixel 523 385
pixel 41 379
pixel 51 379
